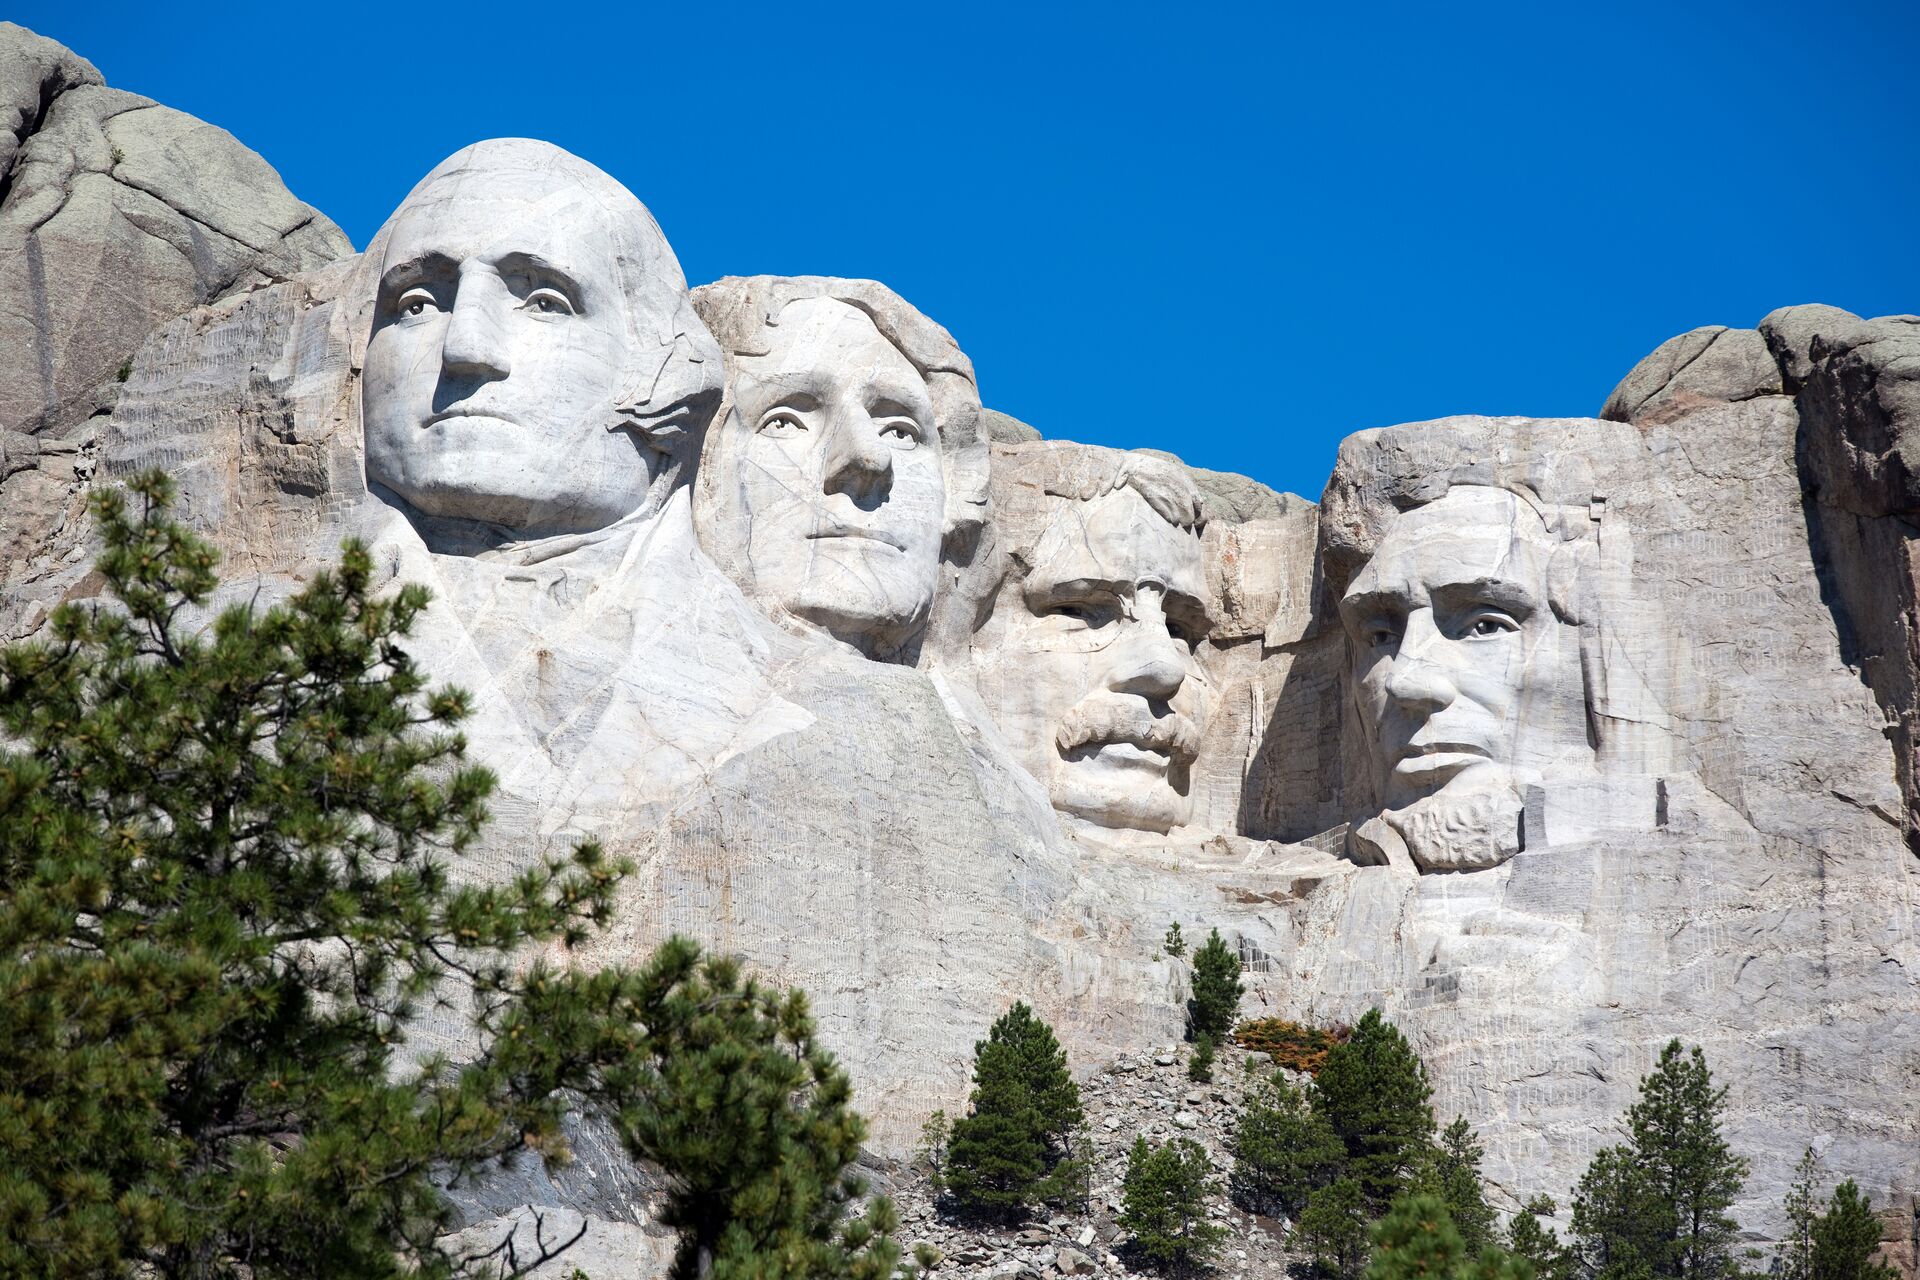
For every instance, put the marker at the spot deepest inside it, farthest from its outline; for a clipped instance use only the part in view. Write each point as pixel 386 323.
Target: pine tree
pixel 1282 1150
pixel 1846 1237
pixel 1537 1244
pixel 1658 1205
pixel 1332 1230
pixel 1200 1061
pixel 1453 1175
pixel 1164 1202
pixel 1802 1210
pixel 1215 1005
pixel 730 1092
pixel 1373 1093
pixel 226 896
pixel 1175 943
pixel 1418 1240
pixel 1015 1146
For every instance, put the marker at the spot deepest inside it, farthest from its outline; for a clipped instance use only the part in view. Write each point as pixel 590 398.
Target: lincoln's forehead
pixel 1117 537
pixel 1473 534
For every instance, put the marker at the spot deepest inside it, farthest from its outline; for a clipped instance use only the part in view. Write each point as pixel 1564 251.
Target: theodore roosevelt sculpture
pixel 533 366
pixel 1088 660
pixel 849 460
pixel 1489 670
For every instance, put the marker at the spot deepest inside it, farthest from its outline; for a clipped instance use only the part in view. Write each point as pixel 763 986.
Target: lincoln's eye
pixel 1490 623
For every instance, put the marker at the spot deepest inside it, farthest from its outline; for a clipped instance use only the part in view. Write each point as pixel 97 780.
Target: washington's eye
pixel 1490 624
pixel 782 424
pixel 1381 637
pixel 416 302
pixel 548 302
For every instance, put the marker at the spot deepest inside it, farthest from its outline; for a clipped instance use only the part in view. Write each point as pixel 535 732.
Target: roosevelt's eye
pixel 550 302
pixel 1490 622
pixel 416 302
pixel 1089 614
pixel 782 424
pixel 1187 633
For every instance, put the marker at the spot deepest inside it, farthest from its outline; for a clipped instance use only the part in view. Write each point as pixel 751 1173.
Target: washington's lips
pixel 1164 740
pixel 858 534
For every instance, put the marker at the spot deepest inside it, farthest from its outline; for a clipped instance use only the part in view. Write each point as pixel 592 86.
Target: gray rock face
pixel 116 214
pixel 1553 738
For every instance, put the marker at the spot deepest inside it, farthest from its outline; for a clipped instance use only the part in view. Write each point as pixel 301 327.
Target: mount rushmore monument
pixel 1553 738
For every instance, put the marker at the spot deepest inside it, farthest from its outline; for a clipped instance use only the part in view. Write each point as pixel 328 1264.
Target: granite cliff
pixel 1553 738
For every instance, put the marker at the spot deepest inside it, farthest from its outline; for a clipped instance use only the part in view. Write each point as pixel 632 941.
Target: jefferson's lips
pixel 446 414
pixel 1418 750
pixel 860 534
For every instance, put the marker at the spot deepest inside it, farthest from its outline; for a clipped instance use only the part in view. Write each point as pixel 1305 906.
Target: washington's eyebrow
pixel 534 264
pixel 417 268
pixel 1502 593
pixel 1368 604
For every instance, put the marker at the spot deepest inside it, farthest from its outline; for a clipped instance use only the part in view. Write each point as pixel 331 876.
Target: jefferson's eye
pixel 782 424
pixel 1381 637
pixel 548 302
pixel 901 433
pixel 416 302
pixel 1491 624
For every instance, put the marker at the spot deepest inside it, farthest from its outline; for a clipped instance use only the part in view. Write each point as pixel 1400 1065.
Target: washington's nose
pixel 1419 676
pixel 858 462
pixel 476 341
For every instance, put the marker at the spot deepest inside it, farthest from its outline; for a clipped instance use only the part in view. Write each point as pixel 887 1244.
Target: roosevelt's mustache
pixel 1104 720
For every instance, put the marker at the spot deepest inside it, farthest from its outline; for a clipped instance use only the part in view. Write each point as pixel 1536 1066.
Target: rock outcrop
pixel 116 215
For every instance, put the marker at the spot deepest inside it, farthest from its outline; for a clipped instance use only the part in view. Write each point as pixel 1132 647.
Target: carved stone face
pixel 839 474
pixel 1463 673
pixel 1098 687
pixel 497 347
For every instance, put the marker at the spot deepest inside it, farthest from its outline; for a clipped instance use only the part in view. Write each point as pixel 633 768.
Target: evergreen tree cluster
pixel 1337 1155
pixel 224 853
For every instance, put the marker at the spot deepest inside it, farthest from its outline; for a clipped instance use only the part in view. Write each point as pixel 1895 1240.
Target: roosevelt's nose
pixel 1148 660
pixel 1419 676
pixel 858 462
pixel 476 343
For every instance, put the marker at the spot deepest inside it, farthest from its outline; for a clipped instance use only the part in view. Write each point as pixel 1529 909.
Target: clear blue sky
pixel 1237 233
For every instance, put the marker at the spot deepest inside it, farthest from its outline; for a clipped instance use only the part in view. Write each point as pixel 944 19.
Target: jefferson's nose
pixel 476 341
pixel 858 462
pixel 1419 677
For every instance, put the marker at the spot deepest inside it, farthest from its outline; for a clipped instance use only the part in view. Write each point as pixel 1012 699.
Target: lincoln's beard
pixel 1464 830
